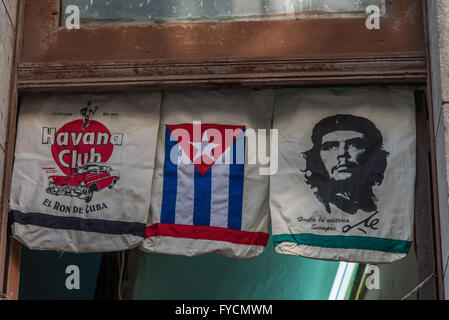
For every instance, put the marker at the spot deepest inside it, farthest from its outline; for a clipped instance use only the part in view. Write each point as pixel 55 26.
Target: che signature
pixel 369 223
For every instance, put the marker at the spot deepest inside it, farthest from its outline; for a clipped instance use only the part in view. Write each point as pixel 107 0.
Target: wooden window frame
pixel 275 53
pixel 250 53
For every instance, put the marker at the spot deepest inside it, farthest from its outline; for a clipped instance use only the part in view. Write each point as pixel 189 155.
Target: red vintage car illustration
pixel 89 178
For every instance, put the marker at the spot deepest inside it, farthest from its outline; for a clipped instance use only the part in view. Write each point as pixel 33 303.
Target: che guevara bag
pixel 83 170
pixel 207 196
pixel 345 185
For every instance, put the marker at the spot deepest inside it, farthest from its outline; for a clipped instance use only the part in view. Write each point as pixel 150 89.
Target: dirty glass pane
pixel 106 11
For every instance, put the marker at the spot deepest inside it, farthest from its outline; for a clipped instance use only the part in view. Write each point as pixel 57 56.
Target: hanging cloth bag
pixel 83 170
pixel 206 197
pixel 346 179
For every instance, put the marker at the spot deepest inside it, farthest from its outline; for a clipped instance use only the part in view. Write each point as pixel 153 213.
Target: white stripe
pixel 185 196
pixel 240 149
pixel 220 196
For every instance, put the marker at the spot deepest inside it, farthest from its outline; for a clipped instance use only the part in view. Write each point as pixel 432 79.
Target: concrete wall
pixel 396 280
pixel 438 13
pixel 8 21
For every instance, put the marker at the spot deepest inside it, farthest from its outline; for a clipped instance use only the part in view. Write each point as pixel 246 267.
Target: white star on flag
pixel 204 147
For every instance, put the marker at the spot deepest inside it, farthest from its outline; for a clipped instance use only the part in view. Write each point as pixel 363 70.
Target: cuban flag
pixel 203 187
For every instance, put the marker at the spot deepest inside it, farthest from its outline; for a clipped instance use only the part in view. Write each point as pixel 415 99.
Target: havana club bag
pixel 83 170
pixel 207 197
pixel 346 179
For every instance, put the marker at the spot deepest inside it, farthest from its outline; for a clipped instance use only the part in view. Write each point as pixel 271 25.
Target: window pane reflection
pixel 106 11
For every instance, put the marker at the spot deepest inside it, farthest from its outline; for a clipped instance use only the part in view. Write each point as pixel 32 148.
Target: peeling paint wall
pixel 8 20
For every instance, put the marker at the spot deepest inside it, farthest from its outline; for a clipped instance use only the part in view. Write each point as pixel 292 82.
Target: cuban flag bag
pixel 83 170
pixel 206 197
pixel 345 186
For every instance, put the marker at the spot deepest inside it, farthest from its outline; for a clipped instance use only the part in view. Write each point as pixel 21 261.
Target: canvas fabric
pixel 345 186
pixel 83 170
pixel 200 208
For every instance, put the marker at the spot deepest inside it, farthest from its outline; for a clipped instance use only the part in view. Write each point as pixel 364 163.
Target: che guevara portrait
pixel 345 186
pixel 346 162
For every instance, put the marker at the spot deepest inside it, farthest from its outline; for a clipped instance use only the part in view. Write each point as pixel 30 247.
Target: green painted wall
pixel 212 277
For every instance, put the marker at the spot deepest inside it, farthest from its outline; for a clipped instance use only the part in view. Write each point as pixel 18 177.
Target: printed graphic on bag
pixel 346 161
pixel 84 158
pixel 352 170
pixel 202 184
pixel 204 193
pixel 81 149
pixel 209 194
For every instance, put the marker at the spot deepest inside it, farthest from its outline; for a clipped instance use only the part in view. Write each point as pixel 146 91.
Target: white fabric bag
pixel 346 179
pixel 202 203
pixel 83 170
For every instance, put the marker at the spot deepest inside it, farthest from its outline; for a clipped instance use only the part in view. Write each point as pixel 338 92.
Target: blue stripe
pixel 236 180
pixel 203 193
pixel 168 211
